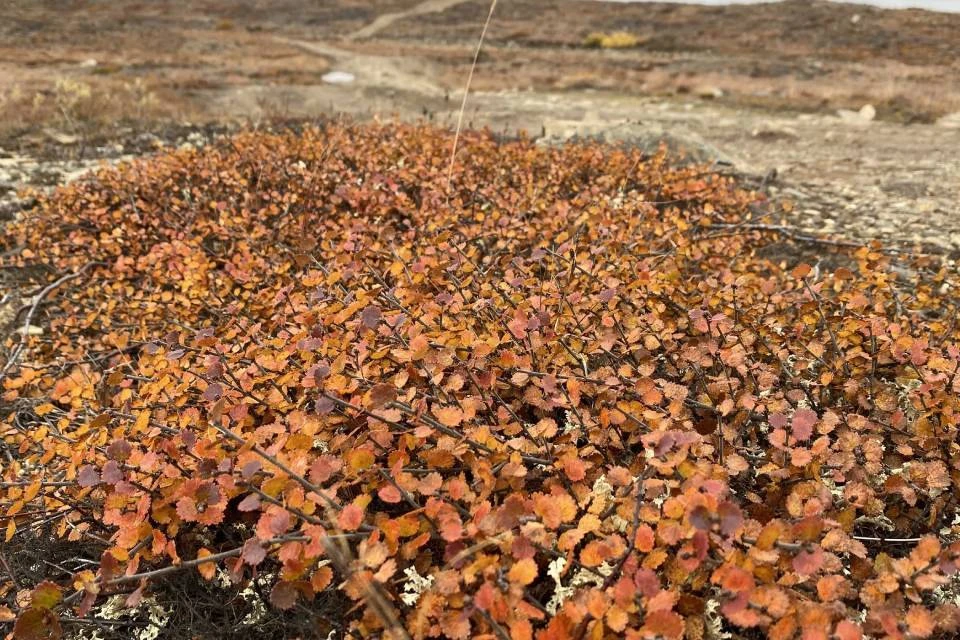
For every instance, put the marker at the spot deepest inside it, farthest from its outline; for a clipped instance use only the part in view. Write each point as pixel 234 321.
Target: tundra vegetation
pixel 560 392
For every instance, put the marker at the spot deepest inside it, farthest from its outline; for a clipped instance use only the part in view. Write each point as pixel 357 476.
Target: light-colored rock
pixel 338 77
pixel 865 114
pixel 950 121
pixel 709 92
pixel 89 63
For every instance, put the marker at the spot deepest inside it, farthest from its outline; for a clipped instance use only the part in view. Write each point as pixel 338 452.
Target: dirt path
pixel 848 174
pixel 385 20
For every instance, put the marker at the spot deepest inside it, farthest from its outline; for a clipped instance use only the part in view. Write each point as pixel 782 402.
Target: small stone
pixel 865 114
pixel 950 121
pixel 709 92
pixel 855 18
pixel 89 63
pixel 338 77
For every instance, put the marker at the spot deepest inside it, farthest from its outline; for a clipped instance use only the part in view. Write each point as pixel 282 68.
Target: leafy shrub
pixel 563 396
pixel 615 40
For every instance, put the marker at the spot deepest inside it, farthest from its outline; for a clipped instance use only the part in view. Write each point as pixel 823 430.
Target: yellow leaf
pixel 32 490
pixel 143 420
pixel 44 409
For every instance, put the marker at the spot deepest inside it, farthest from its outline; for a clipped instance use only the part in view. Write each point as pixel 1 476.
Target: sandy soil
pixel 851 112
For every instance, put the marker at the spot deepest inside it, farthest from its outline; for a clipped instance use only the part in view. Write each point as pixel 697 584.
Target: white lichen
pixel 258 608
pixel 414 586
pixel 713 622
pixel 582 578
pixel 115 609
pixel 568 422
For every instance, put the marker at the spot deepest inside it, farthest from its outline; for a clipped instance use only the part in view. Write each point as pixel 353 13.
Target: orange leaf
pixel 360 459
pixel 663 624
pixel 574 468
pixel 448 416
pixel 920 623
pixel 523 572
pixel 207 569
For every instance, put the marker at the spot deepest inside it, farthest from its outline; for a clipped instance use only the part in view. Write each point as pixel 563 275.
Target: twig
pixel 18 351
pixel 891 540
pixel 466 91
pixel 186 564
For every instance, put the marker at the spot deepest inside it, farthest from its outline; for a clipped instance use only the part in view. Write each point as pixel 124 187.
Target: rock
pixel 709 92
pixel 338 77
pixel 865 114
pixel 89 63
pixel 855 18
pixel 950 121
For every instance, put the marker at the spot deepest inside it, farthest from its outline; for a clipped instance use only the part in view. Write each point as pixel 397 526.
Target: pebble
pixel 338 77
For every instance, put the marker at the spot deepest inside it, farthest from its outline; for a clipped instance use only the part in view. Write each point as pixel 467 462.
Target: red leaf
pixel 119 450
pixel 284 595
pixel 731 518
pixel 518 326
pixel 213 392
pixel 644 539
pixel 350 518
pixel 253 552
pixel 801 426
pixel 250 503
pixel 808 562
pixel 701 518
pixel 88 476
pixel 324 467
pixel 390 494
pixel 370 316
pixel 111 473
pixel 381 395
pixel 324 405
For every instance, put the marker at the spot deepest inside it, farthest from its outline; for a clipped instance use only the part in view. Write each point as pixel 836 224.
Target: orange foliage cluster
pixel 567 390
